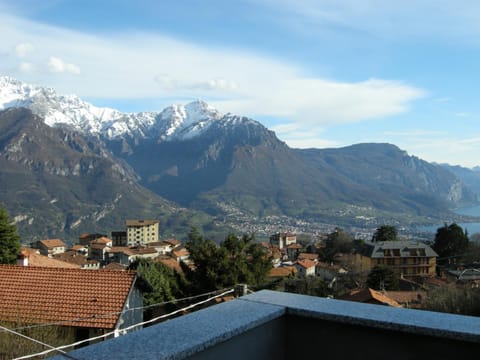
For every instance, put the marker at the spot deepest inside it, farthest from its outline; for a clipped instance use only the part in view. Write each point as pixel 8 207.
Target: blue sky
pixel 320 73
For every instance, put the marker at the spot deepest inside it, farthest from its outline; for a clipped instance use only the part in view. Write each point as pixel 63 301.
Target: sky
pixel 320 73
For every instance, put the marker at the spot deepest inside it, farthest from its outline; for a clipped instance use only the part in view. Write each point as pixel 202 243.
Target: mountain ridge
pixel 223 166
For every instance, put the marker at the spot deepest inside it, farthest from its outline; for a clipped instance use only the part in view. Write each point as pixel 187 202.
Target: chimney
pixel 22 258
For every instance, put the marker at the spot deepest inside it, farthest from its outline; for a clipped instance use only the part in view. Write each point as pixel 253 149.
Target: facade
pixel 406 258
pixel 306 267
pixel 51 247
pixel 85 239
pixel 141 232
pixel 119 238
pixel 282 240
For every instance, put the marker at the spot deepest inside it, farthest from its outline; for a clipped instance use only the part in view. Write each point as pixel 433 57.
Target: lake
pixel 470 227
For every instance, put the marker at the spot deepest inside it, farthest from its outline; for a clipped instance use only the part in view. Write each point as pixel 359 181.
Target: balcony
pixel 275 325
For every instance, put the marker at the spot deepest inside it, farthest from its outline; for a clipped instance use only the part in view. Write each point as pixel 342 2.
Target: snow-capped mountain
pixel 176 121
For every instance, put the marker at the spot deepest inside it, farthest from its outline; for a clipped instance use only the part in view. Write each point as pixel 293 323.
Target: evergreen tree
pixel 382 278
pixel 234 261
pixel 337 241
pixel 451 242
pixel 385 233
pixel 9 239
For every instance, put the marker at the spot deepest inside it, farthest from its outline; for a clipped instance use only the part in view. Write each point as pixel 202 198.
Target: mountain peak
pixel 72 112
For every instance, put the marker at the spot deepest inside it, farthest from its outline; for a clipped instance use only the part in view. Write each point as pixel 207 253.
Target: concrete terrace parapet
pixel 277 325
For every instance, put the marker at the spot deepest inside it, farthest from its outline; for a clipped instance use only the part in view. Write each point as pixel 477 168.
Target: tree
pixel 385 233
pixel 235 260
pixel 337 241
pixel 451 242
pixel 9 239
pixel 464 301
pixel 382 278
pixel 166 284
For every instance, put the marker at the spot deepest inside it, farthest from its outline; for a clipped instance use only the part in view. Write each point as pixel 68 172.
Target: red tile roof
pixel 368 295
pixel 306 263
pixel 51 243
pixel 307 256
pixel 103 240
pixel 171 263
pixel 35 259
pixel 283 271
pixel 74 297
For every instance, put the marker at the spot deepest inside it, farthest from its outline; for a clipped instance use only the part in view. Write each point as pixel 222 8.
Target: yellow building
pixel 406 258
pixel 142 232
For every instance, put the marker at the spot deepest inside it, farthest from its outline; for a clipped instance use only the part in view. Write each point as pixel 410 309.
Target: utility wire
pixel 124 330
pixel 52 348
pixel 97 316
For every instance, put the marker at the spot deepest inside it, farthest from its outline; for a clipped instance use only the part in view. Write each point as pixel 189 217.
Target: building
pixel 32 257
pixel 274 325
pixel 281 240
pixel 406 258
pixel 371 296
pixel 84 303
pixel 119 238
pixel 306 267
pixel 51 247
pixel 141 232
pixel 85 239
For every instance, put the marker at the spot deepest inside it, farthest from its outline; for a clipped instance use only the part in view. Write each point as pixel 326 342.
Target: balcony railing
pixel 275 325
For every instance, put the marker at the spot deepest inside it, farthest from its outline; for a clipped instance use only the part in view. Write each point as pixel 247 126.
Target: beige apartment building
pixel 141 232
pixel 406 258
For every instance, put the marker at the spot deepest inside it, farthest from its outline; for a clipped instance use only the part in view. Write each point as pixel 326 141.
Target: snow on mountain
pixel 176 121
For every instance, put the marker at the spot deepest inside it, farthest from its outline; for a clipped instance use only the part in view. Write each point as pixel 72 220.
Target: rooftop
pixel 51 243
pixel 141 222
pixel 37 295
pixel 275 325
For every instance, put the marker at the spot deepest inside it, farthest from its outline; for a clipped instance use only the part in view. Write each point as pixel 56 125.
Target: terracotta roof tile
pixel 51 243
pixel 306 263
pixel 37 295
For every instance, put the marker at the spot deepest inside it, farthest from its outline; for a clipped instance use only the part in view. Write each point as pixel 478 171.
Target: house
pixel 32 257
pixel 86 238
pixel 102 241
pixel 119 238
pixel 371 296
pixel 78 258
pixel 50 247
pixel 98 252
pixel 293 250
pixel 328 272
pixel 81 303
pixel 406 258
pixel 173 242
pixel 162 247
pixel 309 256
pixel 305 267
pixel 181 255
pixel 281 240
pixel 127 255
pixel 282 272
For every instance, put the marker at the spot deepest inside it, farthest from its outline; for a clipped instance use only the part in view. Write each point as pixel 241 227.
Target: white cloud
pixel 387 19
pixel 24 49
pixel 57 65
pixel 141 65
pixel 25 67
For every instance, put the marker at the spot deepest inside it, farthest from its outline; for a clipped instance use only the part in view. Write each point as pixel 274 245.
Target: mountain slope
pixel 57 183
pixel 470 177
pixel 102 161
pixel 393 174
